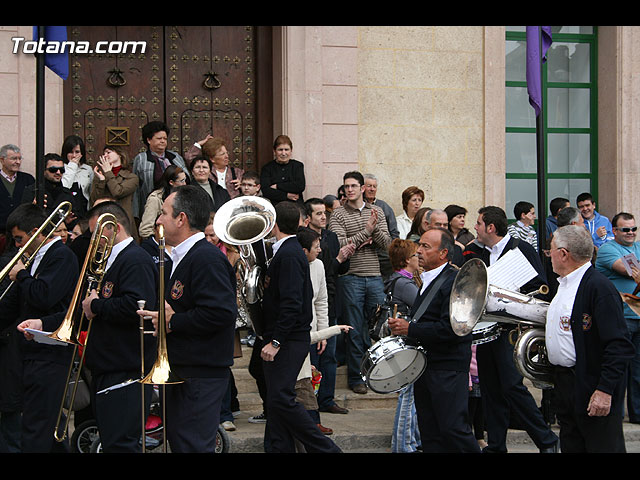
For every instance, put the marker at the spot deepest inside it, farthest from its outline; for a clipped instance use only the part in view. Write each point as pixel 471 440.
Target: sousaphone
pixel 474 299
pixel 242 222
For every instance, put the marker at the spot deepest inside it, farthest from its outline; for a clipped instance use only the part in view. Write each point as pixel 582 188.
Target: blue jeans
pixel 633 372
pixel 360 295
pixel 327 364
pixel 406 436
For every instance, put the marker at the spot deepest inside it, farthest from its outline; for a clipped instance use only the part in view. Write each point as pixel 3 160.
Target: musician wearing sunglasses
pixel 612 262
pixel 54 191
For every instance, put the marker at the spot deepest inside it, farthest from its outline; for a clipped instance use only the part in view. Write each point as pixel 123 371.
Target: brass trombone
pixel 91 275
pixel 60 212
pixel 161 373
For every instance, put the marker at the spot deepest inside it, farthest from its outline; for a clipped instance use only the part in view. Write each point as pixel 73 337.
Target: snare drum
pixel 485 332
pixel 392 363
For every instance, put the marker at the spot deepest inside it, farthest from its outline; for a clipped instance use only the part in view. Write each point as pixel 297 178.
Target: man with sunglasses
pixel 54 191
pixel 612 262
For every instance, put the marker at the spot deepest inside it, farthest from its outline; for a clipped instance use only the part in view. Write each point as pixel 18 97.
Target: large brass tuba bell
pixel 242 222
pixel 474 299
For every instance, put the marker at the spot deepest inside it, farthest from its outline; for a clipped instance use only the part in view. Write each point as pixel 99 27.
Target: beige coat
pixel 152 209
pixel 121 187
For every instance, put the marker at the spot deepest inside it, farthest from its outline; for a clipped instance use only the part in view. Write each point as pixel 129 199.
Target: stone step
pixel 250 400
pixel 345 398
pixel 365 430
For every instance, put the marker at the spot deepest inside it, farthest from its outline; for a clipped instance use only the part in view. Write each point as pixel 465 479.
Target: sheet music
pixel 511 271
pixel 42 337
pixel 118 385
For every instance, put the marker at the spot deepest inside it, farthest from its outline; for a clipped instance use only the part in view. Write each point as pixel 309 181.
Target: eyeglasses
pixel 627 229
pixel 55 169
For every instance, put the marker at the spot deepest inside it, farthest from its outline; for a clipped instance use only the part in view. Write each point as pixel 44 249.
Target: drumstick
pixel 395 310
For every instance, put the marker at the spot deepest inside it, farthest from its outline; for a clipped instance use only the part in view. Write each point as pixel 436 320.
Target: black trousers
pixel 193 413
pixel 288 419
pixel 504 395
pixel 442 406
pixel 256 371
pixel 43 387
pixel 580 433
pixel 118 413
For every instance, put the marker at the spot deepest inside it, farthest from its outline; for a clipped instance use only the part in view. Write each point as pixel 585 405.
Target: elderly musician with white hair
pixel 587 343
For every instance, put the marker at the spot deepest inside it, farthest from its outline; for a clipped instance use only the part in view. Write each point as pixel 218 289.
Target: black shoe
pixel 552 449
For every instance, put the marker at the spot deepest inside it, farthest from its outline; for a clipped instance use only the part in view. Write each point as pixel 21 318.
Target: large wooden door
pixel 199 80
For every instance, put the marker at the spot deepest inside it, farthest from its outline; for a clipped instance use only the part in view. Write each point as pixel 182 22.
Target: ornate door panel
pixel 211 88
pixel 199 80
pixel 108 97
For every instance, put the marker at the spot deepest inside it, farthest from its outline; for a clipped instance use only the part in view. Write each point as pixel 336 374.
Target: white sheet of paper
pixel 42 337
pixel 628 260
pixel 511 271
pixel 118 385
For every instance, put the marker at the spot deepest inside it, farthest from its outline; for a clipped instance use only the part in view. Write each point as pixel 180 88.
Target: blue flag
pixel 57 59
pixel 535 59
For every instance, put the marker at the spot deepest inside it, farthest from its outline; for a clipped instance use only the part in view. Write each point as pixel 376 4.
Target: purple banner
pixel 535 58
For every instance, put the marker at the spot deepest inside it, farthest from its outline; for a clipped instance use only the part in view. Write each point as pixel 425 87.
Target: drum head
pixel 394 369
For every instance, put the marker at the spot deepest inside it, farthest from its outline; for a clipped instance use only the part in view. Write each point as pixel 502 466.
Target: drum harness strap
pixel 433 289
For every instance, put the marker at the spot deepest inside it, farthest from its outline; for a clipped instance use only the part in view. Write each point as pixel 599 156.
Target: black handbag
pixel 83 396
pixel 378 327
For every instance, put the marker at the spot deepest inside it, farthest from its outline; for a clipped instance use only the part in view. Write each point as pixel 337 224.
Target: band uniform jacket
pixel 114 345
pixel 603 350
pixel 202 293
pixel 445 350
pixel 288 295
pixel 45 295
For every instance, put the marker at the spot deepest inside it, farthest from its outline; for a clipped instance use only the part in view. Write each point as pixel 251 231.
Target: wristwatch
pixel 275 343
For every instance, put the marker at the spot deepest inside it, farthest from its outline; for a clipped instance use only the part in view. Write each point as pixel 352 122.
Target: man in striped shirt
pixel 361 288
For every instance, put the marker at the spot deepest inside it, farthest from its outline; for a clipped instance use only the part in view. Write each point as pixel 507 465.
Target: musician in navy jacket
pixel 201 311
pixel 587 340
pixel 442 391
pixel 44 288
pixel 287 315
pixel 504 395
pixel 113 347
